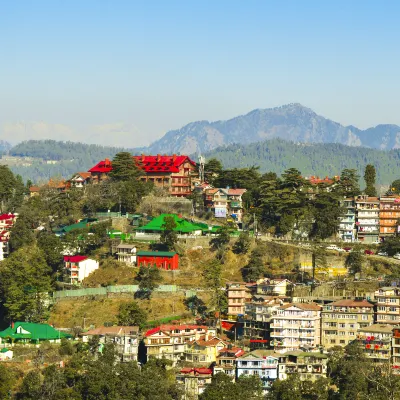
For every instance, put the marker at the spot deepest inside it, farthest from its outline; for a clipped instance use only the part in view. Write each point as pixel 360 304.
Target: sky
pixel 125 72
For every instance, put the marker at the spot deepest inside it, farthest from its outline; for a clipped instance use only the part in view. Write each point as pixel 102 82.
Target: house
pixel 238 294
pixel 29 332
pixel 170 341
pixel 6 354
pixel 125 339
pixel 77 268
pixel 204 350
pixel 347 224
pixel 274 287
pixel 307 365
pixel 82 224
pixel 388 305
pixel 177 174
pixel 167 260
pixel 389 214
pixel 193 381
pixel 225 203
pixel 342 319
pixel 126 253
pixel 296 325
pixel 367 219
pixel 376 341
pixel 263 363
pixel 80 179
pixel 34 191
pixel 226 360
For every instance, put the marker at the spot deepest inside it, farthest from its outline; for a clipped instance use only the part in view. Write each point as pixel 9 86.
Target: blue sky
pixel 128 71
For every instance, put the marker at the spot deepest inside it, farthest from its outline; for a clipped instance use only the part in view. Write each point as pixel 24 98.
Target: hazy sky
pixel 125 72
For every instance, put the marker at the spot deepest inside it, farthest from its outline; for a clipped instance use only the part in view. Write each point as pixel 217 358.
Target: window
pixel 333 341
pixel 342 342
pixel 365 317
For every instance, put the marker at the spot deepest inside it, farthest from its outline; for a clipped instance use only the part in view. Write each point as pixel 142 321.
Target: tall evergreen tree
pixel 348 185
pixel 370 177
pixel 124 167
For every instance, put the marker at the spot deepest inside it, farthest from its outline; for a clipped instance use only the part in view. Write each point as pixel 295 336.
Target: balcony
pixel 235 204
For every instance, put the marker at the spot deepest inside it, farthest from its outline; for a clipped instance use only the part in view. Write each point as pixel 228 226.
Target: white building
pixel 126 253
pixel 77 268
pixel 347 225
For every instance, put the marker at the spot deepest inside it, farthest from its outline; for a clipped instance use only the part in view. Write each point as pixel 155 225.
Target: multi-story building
pixel 125 339
pixel 6 223
pixel 388 305
pixel 238 294
pixel 203 350
pixel 77 268
pixel 193 381
pixel 376 341
pixel 225 203
pixel 296 326
pixel 126 253
pixel 274 287
pixel 307 365
pixel 80 179
pixel 396 348
pixel 226 360
pixel 263 363
pixel 176 174
pixel 170 341
pixel 389 214
pixel 342 319
pixel 347 225
pixel 367 219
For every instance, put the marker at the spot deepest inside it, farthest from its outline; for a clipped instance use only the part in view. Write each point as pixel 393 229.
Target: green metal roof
pixel 4 350
pixel 36 332
pixel 79 225
pixel 156 253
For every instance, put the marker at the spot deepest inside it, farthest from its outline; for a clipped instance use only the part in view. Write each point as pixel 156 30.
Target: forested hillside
pixel 311 159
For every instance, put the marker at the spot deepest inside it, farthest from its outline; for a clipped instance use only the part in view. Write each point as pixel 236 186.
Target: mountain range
pixel 292 122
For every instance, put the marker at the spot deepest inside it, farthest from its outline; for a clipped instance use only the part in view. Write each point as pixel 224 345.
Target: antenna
pixel 202 162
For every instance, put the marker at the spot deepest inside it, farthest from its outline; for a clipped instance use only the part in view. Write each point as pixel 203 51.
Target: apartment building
pixel 342 319
pixel 396 348
pixel 296 326
pixel 226 360
pixel 238 294
pixel 225 203
pixel 77 268
pixel 274 287
pixel 389 214
pixel 347 225
pixel 307 365
pixel 388 305
pixel 367 219
pixel 376 341
pixel 171 341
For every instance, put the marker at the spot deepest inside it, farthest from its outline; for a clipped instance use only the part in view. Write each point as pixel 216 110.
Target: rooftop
pixel 351 303
pixel 112 330
pixel 302 306
pixel 377 328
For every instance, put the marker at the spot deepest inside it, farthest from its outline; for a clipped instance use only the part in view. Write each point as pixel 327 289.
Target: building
pixel 376 341
pixel 263 363
pixel 238 294
pixel 396 348
pixel 274 287
pixel 204 350
pixel 77 268
pixel 389 214
pixel 167 260
pixel 6 354
pixel 177 174
pixel 7 221
pixel 342 319
pixel 28 332
pixel 226 360
pixel 170 341
pixel 193 381
pixel 347 225
pixel 296 326
pixel 126 253
pixel 82 224
pixel 367 219
pixel 125 339
pixel 307 365
pixel 34 191
pixel 80 179
pixel 225 203
pixel 388 305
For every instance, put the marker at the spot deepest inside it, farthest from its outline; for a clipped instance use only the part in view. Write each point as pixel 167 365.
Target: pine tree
pixel 369 177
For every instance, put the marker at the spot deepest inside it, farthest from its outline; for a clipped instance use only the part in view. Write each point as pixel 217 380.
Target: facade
pixel 226 360
pixel 308 365
pixel 101 170
pixel 296 326
pixel 193 381
pixel 389 214
pixel 167 260
pixel 225 203
pixel 7 221
pixel 77 268
pixel 263 363
pixel 388 305
pixel 347 225
pixel 396 348
pixel 376 341
pixel 238 294
pixel 367 219
pixel 274 287
pixel 126 253
pixel 170 341
pixel 80 179
pixel 204 351
pixel 125 339
pixel 342 319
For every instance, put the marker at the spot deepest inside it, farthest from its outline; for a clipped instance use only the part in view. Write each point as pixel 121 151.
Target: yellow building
pixel 388 307
pixel 342 319
pixel 204 350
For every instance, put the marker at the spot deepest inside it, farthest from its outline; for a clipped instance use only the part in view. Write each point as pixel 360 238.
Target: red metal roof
pixel 167 328
pixel 103 166
pixel 74 258
pixel 6 216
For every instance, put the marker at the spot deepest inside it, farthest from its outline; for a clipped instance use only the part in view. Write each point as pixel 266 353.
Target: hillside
pixel 311 159
pixel 290 122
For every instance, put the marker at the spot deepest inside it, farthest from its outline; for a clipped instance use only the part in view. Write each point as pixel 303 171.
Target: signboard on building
pixel 220 213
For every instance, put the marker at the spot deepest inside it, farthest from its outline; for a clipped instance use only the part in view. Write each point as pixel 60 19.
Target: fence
pixel 103 291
